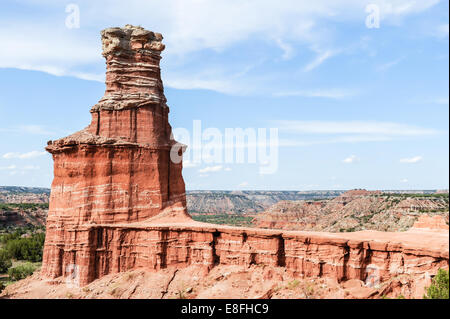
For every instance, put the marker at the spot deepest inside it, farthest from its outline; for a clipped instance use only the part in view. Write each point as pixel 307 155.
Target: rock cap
pixel 129 40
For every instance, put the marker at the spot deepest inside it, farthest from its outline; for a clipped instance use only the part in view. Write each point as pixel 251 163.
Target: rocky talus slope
pixel 352 211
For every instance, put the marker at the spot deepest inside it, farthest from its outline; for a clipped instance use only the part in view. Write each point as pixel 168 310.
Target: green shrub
pixel 5 261
pixel 439 286
pixel 26 248
pixel 21 272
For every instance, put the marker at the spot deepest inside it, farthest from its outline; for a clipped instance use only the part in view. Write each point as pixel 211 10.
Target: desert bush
pixel 5 261
pixel 21 272
pixel 26 248
pixel 439 286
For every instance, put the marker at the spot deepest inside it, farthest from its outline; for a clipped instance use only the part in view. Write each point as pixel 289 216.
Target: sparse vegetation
pixel 5 261
pixel 23 206
pixel 20 253
pixel 225 219
pixel 24 248
pixel 293 284
pixel 439 286
pixel 21 271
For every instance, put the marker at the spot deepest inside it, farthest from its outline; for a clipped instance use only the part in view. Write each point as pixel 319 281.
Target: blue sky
pixel 355 107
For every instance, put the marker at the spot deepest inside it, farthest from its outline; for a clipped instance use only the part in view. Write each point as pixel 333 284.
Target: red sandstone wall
pixel 103 250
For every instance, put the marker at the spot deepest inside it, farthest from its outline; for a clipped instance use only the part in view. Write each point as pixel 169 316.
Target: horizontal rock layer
pixel 98 250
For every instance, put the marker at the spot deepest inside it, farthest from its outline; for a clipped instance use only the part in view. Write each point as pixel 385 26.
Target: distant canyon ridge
pixel 328 210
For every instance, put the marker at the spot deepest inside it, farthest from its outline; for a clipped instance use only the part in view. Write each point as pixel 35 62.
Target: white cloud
pixel 243 184
pixel 8 168
pixel 442 30
pixel 27 155
pixel 28 129
pixel 228 169
pixel 288 50
pixel 386 66
pixel 31 168
pixel 309 133
pixel 210 169
pixel 354 127
pixel 189 164
pixel 298 142
pixel 350 159
pixel 404 180
pixel 189 26
pixel 414 159
pixel 443 101
pixel 322 57
pixel 336 94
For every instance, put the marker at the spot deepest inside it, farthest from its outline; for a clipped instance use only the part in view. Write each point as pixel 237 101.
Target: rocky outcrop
pixel 354 210
pixel 431 223
pixel 20 215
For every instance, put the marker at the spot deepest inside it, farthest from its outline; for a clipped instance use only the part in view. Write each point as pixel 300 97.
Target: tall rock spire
pixel 119 168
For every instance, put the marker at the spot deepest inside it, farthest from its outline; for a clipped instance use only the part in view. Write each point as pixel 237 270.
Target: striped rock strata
pixel 119 168
pixel 118 200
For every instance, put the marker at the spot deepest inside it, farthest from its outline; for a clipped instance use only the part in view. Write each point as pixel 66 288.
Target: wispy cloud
pixel 307 133
pixel 354 127
pixel 28 129
pixel 210 169
pixel 442 30
pixel 243 184
pixel 189 27
pixel 8 168
pixel 414 159
pixel 321 57
pixel 443 101
pixel 336 94
pixel 288 50
pixel 189 164
pixel 350 159
pixel 386 66
pixel 31 167
pixel 27 155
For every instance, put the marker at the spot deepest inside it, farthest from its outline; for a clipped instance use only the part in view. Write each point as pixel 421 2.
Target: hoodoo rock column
pixel 119 168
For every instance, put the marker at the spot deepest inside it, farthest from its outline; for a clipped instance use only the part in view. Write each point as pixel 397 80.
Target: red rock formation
pixel 351 211
pixel 118 169
pixel 117 201
pixel 430 222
